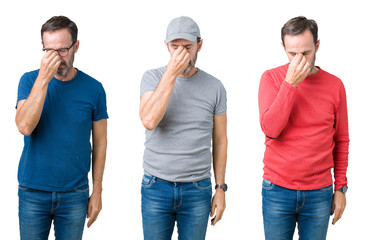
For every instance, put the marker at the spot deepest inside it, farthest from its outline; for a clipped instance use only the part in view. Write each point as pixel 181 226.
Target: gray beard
pixel 64 71
pixel 187 69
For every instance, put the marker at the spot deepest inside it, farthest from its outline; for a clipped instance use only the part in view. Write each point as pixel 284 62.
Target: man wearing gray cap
pixel 183 110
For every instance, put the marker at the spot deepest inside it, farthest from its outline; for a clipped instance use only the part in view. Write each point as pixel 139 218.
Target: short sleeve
pixel 25 85
pixel 149 82
pixel 221 100
pixel 100 109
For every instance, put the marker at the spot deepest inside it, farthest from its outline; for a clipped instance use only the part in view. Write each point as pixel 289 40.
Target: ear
pixel 282 44
pixel 317 45
pixel 77 43
pixel 200 44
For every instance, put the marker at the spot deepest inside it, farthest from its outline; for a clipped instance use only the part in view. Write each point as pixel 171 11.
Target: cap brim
pixel 187 36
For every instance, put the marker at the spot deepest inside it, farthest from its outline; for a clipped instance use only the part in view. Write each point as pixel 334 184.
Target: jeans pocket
pixel 20 187
pixel 267 184
pixel 203 184
pixel 82 189
pixel 147 181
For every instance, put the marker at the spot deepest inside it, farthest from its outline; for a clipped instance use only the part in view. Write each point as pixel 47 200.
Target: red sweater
pixel 306 130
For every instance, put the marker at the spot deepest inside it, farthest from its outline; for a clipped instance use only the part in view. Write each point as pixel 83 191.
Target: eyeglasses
pixel 63 52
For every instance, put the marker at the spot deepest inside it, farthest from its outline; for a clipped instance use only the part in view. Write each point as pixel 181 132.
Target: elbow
pixel 26 131
pixel 270 130
pixel 270 133
pixel 24 128
pixel 149 124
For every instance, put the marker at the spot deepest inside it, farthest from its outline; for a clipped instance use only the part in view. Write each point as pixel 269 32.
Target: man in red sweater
pixel 303 114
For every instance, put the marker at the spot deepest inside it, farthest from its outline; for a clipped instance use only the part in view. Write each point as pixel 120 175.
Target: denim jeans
pixel 164 202
pixel 282 208
pixel 37 209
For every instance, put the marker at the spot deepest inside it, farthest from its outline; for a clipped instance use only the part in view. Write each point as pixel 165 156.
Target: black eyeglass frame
pixel 61 49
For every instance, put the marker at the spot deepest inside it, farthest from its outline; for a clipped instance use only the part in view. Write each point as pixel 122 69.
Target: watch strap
pixel 224 187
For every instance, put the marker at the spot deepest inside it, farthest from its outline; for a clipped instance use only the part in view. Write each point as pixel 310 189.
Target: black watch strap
pixel 343 189
pixel 222 186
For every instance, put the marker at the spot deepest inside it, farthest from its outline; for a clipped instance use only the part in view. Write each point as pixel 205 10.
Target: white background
pixel 119 40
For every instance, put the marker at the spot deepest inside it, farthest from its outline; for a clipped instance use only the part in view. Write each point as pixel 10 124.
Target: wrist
pixel 219 190
pixel 343 190
pixel 170 74
pixel 293 83
pixel 97 189
pixel 222 187
pixel 44 81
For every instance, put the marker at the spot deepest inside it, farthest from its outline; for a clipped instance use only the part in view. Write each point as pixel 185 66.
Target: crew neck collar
pixel 71 81
pixel 191 77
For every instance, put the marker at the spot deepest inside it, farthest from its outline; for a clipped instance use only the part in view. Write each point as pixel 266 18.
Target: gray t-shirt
pixel 178 149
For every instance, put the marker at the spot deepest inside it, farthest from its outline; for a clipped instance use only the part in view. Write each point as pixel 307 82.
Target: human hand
pixel 218 206
pixel 49 65
pixel 94 208
pixel 179 61
pixel 299 68
pixel 338 205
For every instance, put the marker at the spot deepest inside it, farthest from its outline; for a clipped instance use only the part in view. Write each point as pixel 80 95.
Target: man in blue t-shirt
pixel 58 107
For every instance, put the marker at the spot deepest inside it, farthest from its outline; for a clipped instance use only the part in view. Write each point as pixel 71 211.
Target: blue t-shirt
pixel 56 156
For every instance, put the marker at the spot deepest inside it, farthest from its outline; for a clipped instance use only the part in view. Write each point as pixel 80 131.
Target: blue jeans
pixel 37 209
pixel 282 208
pixel 164 202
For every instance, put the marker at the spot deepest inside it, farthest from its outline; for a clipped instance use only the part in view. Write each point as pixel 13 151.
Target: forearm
pixel 220 160
pixel 341 139
pixel 29 111
pixel 275 107
pixel 98 165
pixel 340 157
pixel 154 107
pixel 99 136
pixel 340 170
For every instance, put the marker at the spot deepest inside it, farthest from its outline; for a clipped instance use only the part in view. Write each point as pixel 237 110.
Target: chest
pixel 68 104
pixel 315 104
pixel 191 103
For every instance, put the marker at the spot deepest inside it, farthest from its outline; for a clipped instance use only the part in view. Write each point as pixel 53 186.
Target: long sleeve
pixel 276 98
pixel 341 139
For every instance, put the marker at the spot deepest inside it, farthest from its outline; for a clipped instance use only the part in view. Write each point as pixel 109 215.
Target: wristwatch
pixel 222 186
pixel 343 189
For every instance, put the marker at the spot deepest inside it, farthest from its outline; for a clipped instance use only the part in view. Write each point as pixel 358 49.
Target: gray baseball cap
pixel 182 28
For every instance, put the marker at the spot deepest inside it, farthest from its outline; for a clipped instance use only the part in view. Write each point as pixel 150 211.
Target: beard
pixel 187 69
pixel 313 62
pixel 65 66
pixel 191 65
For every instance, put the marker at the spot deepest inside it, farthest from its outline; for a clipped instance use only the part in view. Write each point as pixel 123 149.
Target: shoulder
pixel 329 76
pixel 27 80
pixel 154 73
pixel 333 83
pixel 210 78
pixel 87 79
pixel 31 75
pixel 274 77
pixel 277 71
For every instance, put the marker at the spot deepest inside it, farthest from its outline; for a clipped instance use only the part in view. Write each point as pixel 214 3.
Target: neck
pixel 69 75
pixel 314 71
